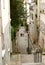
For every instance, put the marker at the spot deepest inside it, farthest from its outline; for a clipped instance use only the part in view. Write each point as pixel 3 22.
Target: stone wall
pixel 22 40
pixel 33 31
pixel 42 30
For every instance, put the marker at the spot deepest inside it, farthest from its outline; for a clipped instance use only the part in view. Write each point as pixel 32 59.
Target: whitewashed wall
pixel 7 44
pixel 1 63
pixel 22 40
pixel 5 8
pixel 42 5
pixel 42 30
pixel 32 25
pixel 5 13
pixel 43 1
pixel 41 40
pixel 42 17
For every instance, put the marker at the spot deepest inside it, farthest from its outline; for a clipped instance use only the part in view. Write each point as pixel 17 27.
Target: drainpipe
pixel 28 40
pixel 28 49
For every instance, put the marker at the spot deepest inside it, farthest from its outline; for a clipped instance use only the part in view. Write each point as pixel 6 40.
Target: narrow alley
pixel 22 32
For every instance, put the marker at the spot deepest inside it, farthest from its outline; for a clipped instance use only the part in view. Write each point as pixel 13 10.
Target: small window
pixel 21 34
pixel 36 15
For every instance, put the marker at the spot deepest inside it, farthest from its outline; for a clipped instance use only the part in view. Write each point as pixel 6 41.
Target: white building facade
pixel 5 31
pixel 42 23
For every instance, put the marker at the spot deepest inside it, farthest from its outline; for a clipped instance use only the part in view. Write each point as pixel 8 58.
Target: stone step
pixel 18 59
pixel 32 64
pixel 25 58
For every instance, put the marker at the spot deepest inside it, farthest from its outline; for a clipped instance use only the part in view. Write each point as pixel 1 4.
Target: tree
pixel 17 12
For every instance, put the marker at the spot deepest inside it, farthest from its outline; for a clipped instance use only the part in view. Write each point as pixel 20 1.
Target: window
pixel 21 34
pixel 36 15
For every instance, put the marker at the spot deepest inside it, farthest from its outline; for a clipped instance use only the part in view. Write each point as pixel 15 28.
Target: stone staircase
pixel 20 59
pixel 23 59
pixel 27 58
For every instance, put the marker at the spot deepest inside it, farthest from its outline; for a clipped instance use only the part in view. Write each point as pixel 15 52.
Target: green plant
pixel 17 11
